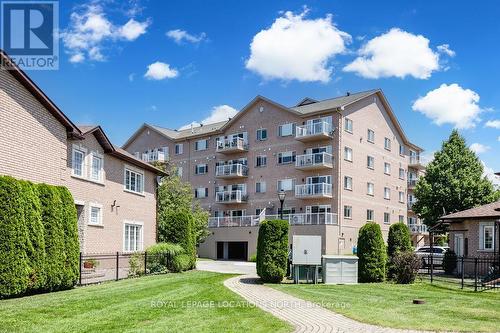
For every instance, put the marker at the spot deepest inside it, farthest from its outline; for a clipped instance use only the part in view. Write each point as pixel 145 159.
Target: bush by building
pixel 272 250
pixel 178 229
pixel 372 253
pixel 399 240
pixel 405 266
pixel 160 257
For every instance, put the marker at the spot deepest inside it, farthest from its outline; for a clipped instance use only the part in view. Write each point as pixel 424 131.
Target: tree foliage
pixel 371 253
pixel 272 250
pixel 399 239
pixel 453 182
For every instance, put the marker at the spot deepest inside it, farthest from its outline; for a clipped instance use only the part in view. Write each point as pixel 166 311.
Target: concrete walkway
pixel 223 266
pixel 305 316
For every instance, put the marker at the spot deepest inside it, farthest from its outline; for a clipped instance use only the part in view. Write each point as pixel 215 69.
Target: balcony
pixel 156 156
pixel 314 131
pixel 230 146
pixel 418 228
pixel 412 183
pixel 415 163
pixel 315 161
pixel 231 171
pixel 410 205
pixel 313 191
pixel 255 220
pixel 231 197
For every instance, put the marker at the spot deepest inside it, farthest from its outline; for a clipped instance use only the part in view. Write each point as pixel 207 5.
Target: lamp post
pixel 281 196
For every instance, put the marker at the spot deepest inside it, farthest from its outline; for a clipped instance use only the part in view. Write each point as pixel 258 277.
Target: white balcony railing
pixel 417 228
pixel 412 182
pixel 313 190
pixel 254 220
pixel 231 170
pixel 313 129
pixel 230 145
pixel 236 196
pixel 410 205
pixel 157 156
pixel 314 160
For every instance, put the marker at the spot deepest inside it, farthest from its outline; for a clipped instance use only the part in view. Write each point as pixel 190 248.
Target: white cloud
pixel 396 53
pixel 498 139
pixel 490 174
pixel 479 148
pixel 296 48
pixel 90 31
pixel 450 104
pixel 218 113
pixel 426 158
pixel 179 36
pixel 493 124
pixel 445 48
pixel 160 71
pixel 131 77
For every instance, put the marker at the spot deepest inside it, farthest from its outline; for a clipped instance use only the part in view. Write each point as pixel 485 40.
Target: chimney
pixel 348 93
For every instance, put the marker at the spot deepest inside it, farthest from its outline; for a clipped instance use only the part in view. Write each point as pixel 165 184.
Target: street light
pixel 281 196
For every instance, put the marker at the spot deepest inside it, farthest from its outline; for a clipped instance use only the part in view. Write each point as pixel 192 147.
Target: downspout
pixel 339 173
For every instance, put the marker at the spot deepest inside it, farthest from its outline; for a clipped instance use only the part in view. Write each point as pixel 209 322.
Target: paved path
pixel 303 315
pixel 232 267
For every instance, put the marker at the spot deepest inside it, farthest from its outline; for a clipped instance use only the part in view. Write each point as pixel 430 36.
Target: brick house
pixel 114 192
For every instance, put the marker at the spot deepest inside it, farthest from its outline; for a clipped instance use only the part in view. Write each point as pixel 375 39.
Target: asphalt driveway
pixel 223 266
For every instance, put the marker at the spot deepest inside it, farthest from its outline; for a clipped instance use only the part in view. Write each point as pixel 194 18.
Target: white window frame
pixel 348 183
pixel 387 168
pixel 260 187
pixel 401 197
pixel 83 151
pixel 261 157
pixel 290 129
pixel 368 159
pixel 348 210
pixel 140 246
pixel 370 189
pixel 387 144
pixel 179 148
pixel 100 177
pixel 100 217
pixel 203 167
pixel 197 145
pixel 401 173
pixel 259 136
pixel 370 138
pixel 348 154
pixel 348 125
pixel 137 172
pixel 288 155
pixel 387 193
pixel 483 226
pixel 280 182
pixel 372 213
pixel 388 221
pixel 201 192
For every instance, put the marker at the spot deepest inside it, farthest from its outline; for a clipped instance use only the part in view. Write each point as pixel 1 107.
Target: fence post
pixel 145 262
pixel 432 268
pixel 475 274
pixel 80 277
pixel 117 264
pixel 462 271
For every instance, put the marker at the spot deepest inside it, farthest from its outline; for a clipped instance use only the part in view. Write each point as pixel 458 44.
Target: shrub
pixel 272 250
pixel 160 257
pixel 371 253
pixel 35 248
pixel 51 204
pixel 399 240
pixel 406 265
pixel 14 268
pixel 136 265
pixel 449 262
pixel 178 229
pixel 181 263
pixel 69 222
pixel 253 257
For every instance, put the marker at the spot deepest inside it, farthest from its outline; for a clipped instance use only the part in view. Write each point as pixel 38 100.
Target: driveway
pixel 232 267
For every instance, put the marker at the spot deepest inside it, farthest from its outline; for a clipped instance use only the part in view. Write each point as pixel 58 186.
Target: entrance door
pixel 459 244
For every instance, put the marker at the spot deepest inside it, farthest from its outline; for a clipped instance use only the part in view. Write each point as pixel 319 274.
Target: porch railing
pixel 315 159
pixel 236 169
pixel 313 129
pixel 313 190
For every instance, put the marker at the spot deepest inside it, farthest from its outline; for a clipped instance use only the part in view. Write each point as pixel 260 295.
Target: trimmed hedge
pixel 399 240
pixel 272 250
pixel 371 253
pixel 160 257
pixel 178 229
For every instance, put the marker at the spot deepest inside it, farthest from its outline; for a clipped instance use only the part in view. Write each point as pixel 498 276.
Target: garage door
pixel 232 250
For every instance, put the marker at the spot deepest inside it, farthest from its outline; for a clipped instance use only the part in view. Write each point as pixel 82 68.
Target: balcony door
pixel 319 180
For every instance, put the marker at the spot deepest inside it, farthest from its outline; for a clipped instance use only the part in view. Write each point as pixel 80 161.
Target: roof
pixel 332 103
pixel 116 151
pixel 24 80
pixel 491 210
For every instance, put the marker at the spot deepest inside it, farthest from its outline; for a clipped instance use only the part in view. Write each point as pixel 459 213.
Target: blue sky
pixel 172 62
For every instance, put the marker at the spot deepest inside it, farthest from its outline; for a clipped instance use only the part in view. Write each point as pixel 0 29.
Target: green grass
pixel 391 305
pixel 148 304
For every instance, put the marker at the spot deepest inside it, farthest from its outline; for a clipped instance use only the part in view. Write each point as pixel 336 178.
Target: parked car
pixel 424 252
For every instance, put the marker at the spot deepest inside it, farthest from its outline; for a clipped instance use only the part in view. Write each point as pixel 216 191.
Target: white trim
pixel 101 171
pixel 83 151
pixel 134 223
pixel 79 202
pixel 482 228
pixel 101 213
pixel 136 171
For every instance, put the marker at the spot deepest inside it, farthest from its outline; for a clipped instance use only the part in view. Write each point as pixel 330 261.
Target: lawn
pixel 162 303
pixel 391 305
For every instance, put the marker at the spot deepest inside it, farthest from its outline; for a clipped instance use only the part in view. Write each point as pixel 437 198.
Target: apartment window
pixel 412 220
pixel 200 145
pixel 285 185
pixel 201 192
pixel 370 162
pixel 95 214
pixel 486 241
pixel 347 183
pixel 401 150
pixel 132 238
pixel 348 125
pixel 96 173
pixel 348 212
pixel 286 157
pixel 370 189
pixel 401 196
pixel 401 218
pixel 348 154
pixel 261 161
pixel 387 218
pixel 78 162
pixel 387 193
pixel 369 215
pixel 387 143
pixel 387 168
pixel 262 134
pixel 370 136
pixel 286 129
pixel 179 149
pixel 134 181
pixel 260 187
pixel 178 171
pixel 201 169
pixel 401 173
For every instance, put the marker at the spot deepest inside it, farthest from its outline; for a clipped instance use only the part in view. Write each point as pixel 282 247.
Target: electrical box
pixel 306 250
pixel 338 269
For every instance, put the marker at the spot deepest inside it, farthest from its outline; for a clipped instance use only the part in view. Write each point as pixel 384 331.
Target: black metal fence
pixel 96 268
pixel 478 273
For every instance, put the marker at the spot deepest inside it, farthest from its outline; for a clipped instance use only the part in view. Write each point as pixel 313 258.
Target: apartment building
pixel 114 192
pixel 341 162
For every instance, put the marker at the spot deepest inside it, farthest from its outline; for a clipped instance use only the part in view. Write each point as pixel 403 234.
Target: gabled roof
pixel 332 103
pixel 491 210
pixel 25 81
pixel 306 101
